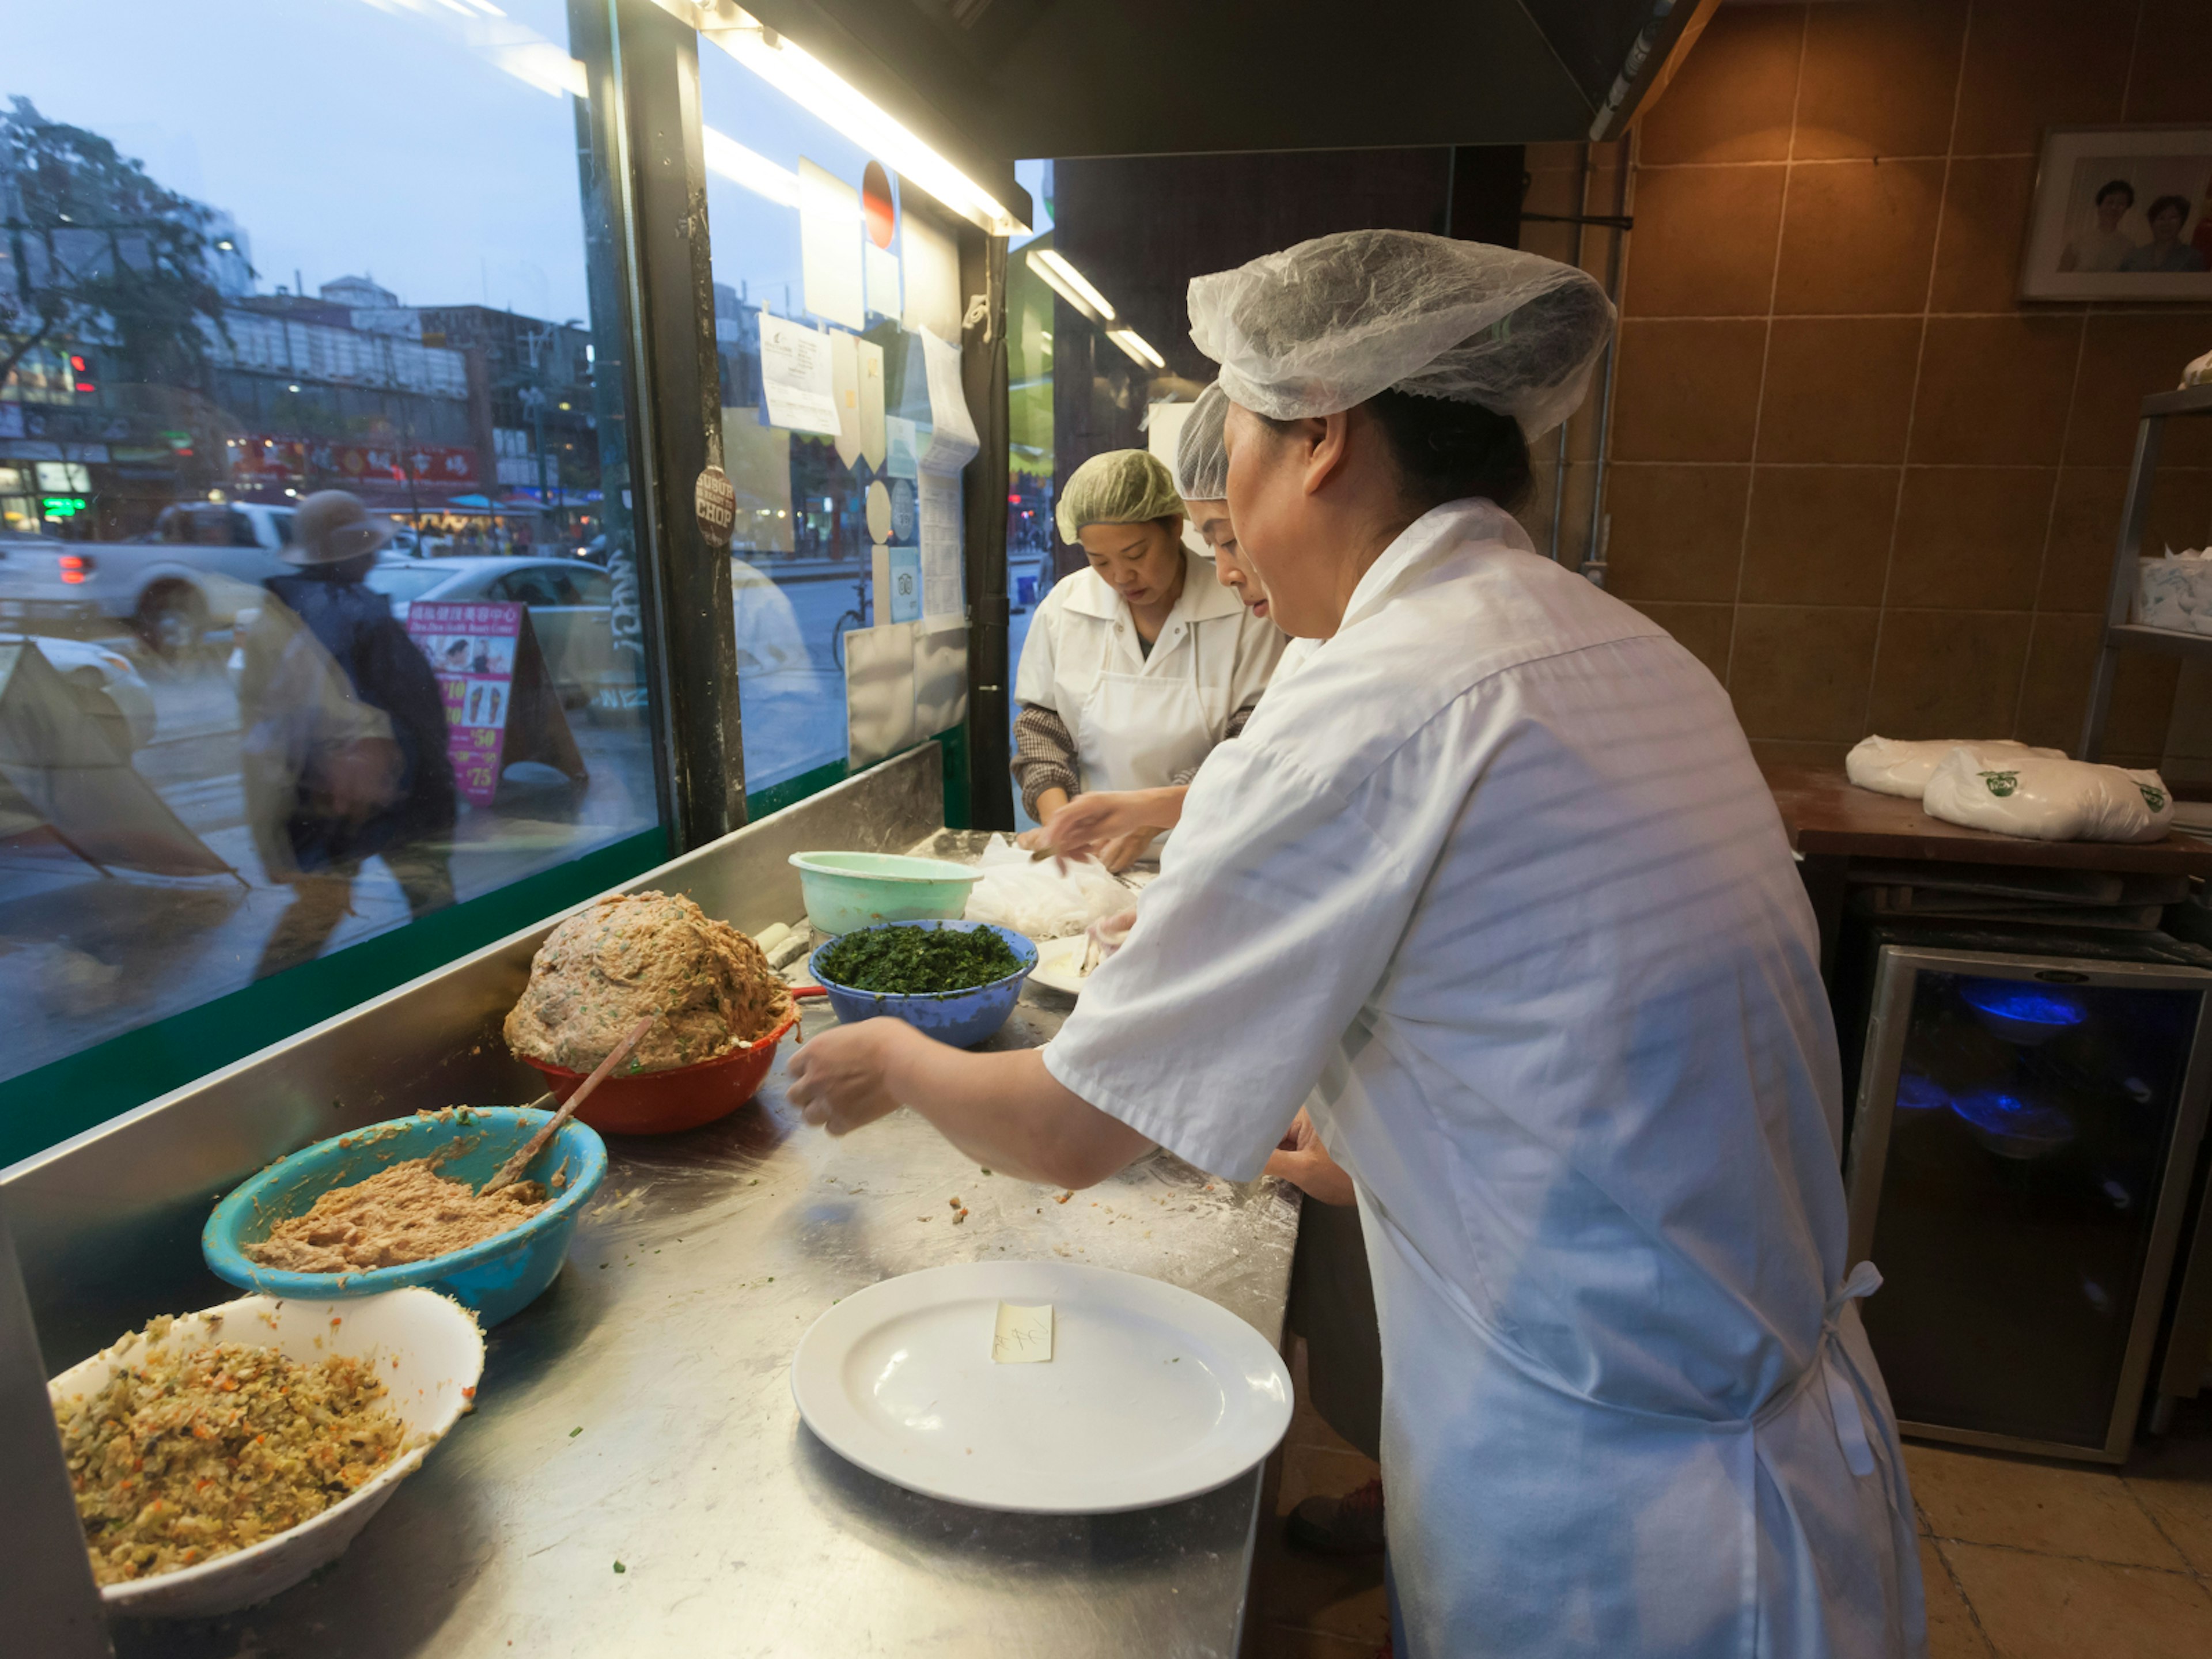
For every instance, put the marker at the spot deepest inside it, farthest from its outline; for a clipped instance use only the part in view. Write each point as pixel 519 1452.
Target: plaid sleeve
pixel 1044 755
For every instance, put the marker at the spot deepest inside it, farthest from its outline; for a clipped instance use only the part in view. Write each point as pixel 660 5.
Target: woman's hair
pixel 2168 205
pixel 2118 187
pixel 1447 451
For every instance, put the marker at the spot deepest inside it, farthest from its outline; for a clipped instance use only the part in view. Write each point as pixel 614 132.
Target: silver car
pixel 569 603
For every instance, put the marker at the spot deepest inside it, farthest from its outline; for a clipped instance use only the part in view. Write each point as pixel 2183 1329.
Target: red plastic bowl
pixel 664 1103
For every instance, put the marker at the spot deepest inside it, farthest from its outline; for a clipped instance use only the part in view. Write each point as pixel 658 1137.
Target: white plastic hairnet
pixel 1201 463
pixel 1122 486
pixel 1329 324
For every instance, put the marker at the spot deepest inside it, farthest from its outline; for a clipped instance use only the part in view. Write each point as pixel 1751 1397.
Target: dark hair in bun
pixel 1447 451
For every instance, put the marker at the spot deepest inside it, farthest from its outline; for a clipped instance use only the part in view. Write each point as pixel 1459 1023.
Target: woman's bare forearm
pixel 1008 1112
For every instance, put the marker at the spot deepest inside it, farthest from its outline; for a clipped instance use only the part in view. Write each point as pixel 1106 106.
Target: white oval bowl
pixel 439 1355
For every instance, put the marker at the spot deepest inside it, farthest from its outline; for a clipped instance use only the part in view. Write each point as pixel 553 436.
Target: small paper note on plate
pixel 1024 1336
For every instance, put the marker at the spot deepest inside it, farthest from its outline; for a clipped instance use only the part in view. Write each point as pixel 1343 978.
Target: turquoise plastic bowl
pixel 501 1276
pixel 846 890
pixel 960 1018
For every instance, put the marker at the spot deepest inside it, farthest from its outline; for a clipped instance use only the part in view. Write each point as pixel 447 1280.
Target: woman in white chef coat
pixel 1495 876
pixel 1137 666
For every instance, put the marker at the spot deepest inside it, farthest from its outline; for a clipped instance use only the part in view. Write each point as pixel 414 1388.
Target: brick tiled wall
pixel 1850 470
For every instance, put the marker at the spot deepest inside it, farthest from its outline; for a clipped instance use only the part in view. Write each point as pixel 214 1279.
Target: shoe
pixel 1350 1525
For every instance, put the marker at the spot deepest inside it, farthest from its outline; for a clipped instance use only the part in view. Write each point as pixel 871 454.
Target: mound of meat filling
pixel 602 970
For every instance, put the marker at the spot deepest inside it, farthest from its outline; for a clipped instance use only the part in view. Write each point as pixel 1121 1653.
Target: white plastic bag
pixel 1036 899
pixel 2175 591
pixel 2047 799
pixel 1899 768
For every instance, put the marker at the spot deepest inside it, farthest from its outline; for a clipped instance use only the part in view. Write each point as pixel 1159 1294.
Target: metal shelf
pixel 2120 633
pixel 2170 641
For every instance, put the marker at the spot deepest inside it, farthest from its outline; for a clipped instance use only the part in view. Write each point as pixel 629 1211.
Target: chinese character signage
pixel 472 648
pixel 259 459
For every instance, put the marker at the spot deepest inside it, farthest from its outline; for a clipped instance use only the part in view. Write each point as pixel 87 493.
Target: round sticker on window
pixel 876 204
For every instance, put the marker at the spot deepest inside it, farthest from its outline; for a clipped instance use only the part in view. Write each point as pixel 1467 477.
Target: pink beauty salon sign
pixel 471 650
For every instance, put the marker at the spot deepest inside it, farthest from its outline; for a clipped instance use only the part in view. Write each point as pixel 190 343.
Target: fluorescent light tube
pixel 819 90
pixel 1137 347
pixel 1065 280
pixel 749 167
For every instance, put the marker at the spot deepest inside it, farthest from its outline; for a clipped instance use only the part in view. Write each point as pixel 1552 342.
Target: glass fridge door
pixel 2031 1134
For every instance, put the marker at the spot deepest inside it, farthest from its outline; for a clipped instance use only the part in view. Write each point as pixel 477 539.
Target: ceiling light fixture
pixel 819 90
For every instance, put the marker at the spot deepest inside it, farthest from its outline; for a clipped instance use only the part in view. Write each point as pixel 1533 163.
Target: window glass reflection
pixel 832 282
pixel 317 592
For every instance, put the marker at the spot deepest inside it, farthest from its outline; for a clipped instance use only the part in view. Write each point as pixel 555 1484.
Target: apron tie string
pixel 1850 1422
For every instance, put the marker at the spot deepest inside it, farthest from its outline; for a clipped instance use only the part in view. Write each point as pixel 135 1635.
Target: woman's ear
pixel 1323 440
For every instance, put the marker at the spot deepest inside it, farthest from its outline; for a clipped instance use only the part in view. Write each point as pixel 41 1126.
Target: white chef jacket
pixel 1496 868
pixel 1141 721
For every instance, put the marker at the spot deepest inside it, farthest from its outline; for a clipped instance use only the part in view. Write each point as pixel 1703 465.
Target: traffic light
pixel 80 372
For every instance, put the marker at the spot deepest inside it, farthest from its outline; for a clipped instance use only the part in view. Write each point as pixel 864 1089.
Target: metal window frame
pixel 1889 1024
pixel 649 174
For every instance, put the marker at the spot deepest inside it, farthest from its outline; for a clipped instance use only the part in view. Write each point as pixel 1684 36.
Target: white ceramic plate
pixel 1060 964
pixel 1152 1394
pixel 433 1355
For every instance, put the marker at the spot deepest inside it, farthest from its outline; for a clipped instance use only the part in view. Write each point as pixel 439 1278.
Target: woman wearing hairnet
pixel 1137 666
pixel 1103 821
pixel 1495 869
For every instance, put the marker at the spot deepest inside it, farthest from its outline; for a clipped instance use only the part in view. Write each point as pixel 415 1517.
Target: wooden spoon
pixel 510 1171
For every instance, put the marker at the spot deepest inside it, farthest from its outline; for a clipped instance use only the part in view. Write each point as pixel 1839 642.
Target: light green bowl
pixel 845 891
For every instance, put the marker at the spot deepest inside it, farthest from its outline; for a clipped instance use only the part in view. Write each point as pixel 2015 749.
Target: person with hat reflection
pixel 345 741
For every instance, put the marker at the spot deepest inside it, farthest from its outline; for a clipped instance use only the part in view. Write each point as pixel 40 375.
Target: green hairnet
pixel 1122 486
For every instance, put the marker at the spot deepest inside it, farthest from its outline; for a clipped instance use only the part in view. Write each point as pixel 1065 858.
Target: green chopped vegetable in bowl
pixel 907 960
pixel 971 973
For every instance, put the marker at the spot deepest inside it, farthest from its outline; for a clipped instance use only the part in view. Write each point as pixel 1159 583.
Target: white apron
pixel 1141 719
pixel 1493 875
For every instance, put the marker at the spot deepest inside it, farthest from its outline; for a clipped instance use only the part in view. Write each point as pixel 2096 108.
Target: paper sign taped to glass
pixel 951 445
pixel 830 245
pixel 879 714
pixel 796 378
pixel 940 675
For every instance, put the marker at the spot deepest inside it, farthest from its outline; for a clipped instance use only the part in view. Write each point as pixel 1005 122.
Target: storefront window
pixel 243 726
pixel 838 318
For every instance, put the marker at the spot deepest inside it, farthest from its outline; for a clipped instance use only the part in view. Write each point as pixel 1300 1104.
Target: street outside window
pixel 316 578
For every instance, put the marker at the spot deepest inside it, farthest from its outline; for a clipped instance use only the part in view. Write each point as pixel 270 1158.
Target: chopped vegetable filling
pixel 193 1453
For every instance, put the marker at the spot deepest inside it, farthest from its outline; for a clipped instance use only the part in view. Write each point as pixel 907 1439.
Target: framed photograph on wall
pixel 2121 213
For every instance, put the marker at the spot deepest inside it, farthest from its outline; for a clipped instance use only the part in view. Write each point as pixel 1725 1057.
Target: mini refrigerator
pixel 2019 1158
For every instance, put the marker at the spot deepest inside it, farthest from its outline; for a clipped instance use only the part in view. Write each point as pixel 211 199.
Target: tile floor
pixel 2022 1558
pixel 1305 1606
pixel 2026 1558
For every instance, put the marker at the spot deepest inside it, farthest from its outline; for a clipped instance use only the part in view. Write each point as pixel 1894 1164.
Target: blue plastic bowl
pixel 499 1277
pixel 962 1018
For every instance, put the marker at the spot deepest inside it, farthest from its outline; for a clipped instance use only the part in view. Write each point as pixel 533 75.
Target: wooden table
pixel 1830 817
pixel 1834 825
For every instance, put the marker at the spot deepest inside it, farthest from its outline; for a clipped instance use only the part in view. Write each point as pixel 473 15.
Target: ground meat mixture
pixel 408 1212
pixel 194 1452
pixel 600 972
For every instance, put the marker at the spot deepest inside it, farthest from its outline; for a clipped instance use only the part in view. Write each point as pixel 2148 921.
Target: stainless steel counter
pixel 640 1413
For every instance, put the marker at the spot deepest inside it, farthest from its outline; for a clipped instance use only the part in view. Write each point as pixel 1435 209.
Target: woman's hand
pixel 1113 824
pixel 1302 1160
pixel 1119 853
pixel 840 1080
